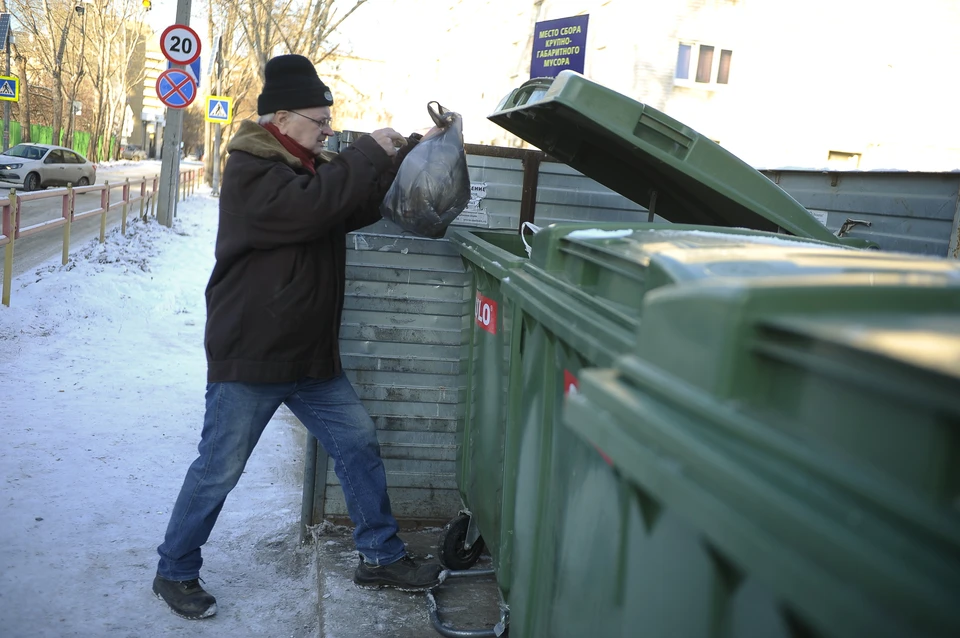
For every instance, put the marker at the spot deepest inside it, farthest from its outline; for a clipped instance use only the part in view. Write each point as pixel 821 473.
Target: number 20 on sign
pixel 486 314
pixel 180 44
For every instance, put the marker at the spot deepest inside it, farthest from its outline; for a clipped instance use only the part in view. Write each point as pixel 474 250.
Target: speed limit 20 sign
pixel 180 44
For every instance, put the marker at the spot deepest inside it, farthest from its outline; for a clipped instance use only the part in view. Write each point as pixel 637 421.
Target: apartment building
pixel 814 84
pixel 149 114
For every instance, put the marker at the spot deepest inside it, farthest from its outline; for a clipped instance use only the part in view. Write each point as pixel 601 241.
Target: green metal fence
pixel 15 133
pixel 81 140
pixel 41 134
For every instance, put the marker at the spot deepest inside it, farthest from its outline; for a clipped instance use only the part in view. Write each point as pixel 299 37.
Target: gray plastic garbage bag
pixel 432 185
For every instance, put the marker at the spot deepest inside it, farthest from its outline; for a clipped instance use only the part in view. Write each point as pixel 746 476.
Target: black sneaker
pixel 186 598
pixel 405 575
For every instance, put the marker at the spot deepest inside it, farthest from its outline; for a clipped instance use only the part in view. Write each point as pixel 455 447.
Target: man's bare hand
pixel 389 140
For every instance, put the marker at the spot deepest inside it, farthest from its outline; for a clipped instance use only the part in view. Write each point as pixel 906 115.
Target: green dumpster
pixel 489 256
pixel 558 280
pixel 580 303
pixel 710 195
pixel 778 458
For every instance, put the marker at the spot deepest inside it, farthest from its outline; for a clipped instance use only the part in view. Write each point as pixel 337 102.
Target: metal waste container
pixel 579 302
pixel 658 163
pixel 778 458
pixel 489 257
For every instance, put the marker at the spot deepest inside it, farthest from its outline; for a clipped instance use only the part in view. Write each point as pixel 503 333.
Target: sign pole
pixel 6 104
pixel 216 161
pixel 170 160
pixel 215 184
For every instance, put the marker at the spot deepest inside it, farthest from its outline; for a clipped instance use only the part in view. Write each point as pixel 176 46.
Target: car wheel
pixel 31 182
pixel 83 181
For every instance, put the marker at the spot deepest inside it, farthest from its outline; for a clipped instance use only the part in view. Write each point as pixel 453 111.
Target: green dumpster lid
pixel 650 158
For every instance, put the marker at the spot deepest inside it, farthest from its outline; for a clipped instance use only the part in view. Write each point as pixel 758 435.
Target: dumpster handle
pixel 534 229
pixel 449 632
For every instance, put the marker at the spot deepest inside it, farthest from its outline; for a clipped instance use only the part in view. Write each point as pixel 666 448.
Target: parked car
pixel 132 152
pixel 38 166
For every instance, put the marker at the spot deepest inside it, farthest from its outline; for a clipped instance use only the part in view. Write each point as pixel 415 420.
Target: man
pixel 274 302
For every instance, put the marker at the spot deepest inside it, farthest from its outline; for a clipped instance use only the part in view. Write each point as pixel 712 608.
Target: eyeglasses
pixel 323 124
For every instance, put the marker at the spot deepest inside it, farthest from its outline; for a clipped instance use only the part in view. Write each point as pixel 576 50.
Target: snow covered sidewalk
pixel 102 376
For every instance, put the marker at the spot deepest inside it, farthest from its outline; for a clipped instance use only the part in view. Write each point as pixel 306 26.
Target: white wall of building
pixel 872 78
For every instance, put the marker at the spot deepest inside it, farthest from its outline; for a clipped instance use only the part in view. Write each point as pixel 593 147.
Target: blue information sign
pixel 557 45
pixel 192 69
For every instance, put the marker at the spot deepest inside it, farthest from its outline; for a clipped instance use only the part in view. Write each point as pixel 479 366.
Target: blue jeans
pixel 236 416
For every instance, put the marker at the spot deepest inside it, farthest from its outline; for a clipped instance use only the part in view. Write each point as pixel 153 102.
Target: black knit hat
pixel 290 83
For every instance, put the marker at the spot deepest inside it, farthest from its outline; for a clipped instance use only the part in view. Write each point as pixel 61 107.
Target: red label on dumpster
pixel 570 383
pixel 486 314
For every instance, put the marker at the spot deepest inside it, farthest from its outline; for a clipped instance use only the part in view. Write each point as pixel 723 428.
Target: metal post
pixel 105 204
pixel 126 204
pixel 10 232
pixel 953 249
pixel 218 67
pixel 309 483
pixel 531 178
pixel 216 158
pixel 170 164
pixel 68 203
pixel 6 103
pixel 153 199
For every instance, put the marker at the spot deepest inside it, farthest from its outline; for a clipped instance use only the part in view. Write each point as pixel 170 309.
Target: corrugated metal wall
pixel 563 194
pixel 908 212
pixel 401 344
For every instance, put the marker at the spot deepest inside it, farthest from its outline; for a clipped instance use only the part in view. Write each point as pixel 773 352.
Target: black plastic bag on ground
pixel 432 185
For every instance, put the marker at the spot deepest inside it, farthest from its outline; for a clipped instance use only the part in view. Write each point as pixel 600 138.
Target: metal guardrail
pixel 11 205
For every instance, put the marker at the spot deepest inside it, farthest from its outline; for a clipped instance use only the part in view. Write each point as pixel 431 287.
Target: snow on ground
pixel 122 162
pixel 102 377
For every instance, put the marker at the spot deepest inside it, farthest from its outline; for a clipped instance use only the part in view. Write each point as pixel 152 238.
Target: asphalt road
pixel 32 252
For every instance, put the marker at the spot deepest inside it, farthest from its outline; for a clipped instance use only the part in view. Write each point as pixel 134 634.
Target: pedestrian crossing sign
pixel 219 109
pixel 9 89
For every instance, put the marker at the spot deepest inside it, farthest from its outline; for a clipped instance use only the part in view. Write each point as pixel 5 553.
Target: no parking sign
pixel 176 89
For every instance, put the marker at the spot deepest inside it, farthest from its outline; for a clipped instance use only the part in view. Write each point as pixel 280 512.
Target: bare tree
pixel 77 77
pixel 253 31
pixel 116 30
pixel 48 22
pixel 80 48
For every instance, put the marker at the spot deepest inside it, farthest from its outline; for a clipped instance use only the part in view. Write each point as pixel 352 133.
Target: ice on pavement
pixel 102 377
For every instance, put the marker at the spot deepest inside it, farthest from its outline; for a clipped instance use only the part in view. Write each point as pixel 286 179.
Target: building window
pixel 705 64
pixel 843 160
pixel 683 62
pixel 723 71
pixel 710 70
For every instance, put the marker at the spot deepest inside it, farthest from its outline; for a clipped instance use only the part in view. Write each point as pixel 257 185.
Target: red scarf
pixel 300 152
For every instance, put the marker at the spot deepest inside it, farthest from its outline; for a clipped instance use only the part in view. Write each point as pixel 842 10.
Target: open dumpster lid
pixel 649 157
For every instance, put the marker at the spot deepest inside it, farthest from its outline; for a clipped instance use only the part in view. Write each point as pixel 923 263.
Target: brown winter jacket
pixel 275 296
